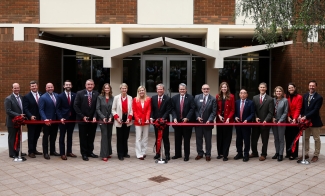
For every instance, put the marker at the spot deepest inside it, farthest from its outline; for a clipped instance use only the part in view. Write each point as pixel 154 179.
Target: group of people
pixel 88 108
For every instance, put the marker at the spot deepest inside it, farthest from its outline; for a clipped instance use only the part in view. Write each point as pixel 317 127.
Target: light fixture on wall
pixel 41 34
pixel 145 36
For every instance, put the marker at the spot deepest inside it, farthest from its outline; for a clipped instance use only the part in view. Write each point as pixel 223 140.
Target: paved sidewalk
pixel 131 176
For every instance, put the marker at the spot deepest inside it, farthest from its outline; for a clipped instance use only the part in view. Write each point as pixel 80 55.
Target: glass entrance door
pixel 169 70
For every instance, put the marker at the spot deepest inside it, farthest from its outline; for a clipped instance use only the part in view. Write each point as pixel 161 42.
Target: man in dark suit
pixel 66 112
pixel 244 112
pixel 183 109
pixel 14 107
pixel 264 109
pixel 47 105
pixel 312 102
pixel 205 112
pixel 85 107
pixel 30 103
pixel 161 108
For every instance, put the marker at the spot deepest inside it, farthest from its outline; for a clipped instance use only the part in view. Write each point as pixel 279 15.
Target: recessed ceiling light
pixel 229 37
pixel 184 36
pixel 68 35
pixel 101 35
pixel 145 36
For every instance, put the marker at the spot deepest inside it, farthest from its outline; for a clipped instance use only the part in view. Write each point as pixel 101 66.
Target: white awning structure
pixel 215 57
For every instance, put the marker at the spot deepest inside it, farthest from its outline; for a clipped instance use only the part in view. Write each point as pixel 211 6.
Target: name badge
pixel 201 100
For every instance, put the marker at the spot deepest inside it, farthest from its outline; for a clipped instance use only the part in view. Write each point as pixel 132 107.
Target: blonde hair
pixel 281 89
pixel 138 95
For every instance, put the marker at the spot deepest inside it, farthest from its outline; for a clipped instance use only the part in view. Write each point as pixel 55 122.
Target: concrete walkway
pixel 132 176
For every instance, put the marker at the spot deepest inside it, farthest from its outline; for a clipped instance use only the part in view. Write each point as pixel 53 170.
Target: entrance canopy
pixel 214 57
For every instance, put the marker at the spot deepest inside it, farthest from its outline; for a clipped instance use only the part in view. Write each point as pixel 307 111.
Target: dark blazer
pixel 229 110
pixel 81 105
pixel 31 106
pixel 210 108
pixel 64 109
pixel 12 108
pixel 164 110
pixel 294 106
pixel 249 110
pixel 47 109
pixel 312 111
pixel 188 108
pixel 265 110
pixel 103 109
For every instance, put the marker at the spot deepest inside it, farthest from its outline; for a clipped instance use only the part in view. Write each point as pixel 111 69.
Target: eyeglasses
pixel 205 88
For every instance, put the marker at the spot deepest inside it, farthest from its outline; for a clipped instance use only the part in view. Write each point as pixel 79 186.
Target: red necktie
pixel 241 110
pixel 89 99
pixel 182 104
pixel 69 101
pixel 261 100
pixel 159 102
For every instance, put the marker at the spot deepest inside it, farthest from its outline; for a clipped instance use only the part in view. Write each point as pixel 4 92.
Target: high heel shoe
pixel 275 156
pixel 104 159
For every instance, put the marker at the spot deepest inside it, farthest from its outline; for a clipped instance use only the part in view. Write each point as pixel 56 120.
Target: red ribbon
pixel 302 125
pixel 160 124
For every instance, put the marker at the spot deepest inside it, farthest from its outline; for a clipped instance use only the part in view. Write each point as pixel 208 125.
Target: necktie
pixel 89 99
pixel 309 98
pixel 203 106
pixel 261 100
pixel 159 102
pixel 20 105
pixel 36 95
pixel 69 101
pixel 53 99
pixel 182 104
pixel 242 109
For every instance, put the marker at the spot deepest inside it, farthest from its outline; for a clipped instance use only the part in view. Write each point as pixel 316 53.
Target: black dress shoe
pixel 38 153
pixel 85 158
pixel 157 156
pixel 287 156
pixel 93 155
pixel 225 159
pixel 275 156
pixel 219 156
pixel 186 158
pixel 238 156
pixel 167 157
pixel 292 158
pixel 31 155
pixel 246 158
pixel 55 154
pixel 12 156
pixel 280 157
pixel 46 156
pixel 23 154
pixel 121 158
pixel 127 156
pixel 176 157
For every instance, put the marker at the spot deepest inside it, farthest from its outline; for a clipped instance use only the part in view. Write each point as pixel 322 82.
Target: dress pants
pixel 66 128
pixel 122 136
pixel 224 136
pixel 141 140
pixel 243 133
pixel 290 135
pixel 106 141
pixel 264 131
pixel 34 132
pixel 49 131
pixel 206 132
pixel 316 132
pixel 165 140
pixel 278 132
pixel 11 141
pixel 87 133
pixel 180 133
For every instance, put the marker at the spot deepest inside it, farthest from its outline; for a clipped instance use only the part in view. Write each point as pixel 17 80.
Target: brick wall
pixel 214 12
pixel 116 11
pixel 18 63
pixel 19 11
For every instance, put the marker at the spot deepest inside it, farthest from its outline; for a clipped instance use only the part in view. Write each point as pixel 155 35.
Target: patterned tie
pixel 203 106
pixel 53 99
pixel 242 109
pixel 19 102
pixel 36 98
pixel 69 101
pixel 309 98
pixel 182 104
pixel 261 100
pixel 159 102
pixel 89 99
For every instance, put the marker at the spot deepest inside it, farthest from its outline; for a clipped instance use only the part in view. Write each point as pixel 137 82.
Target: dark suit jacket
pixel 265 110
pixel 103 109
pixel 188 108
pixel 64 109
pixel 163 111
pixel 31 106
pixel 81 105
pixel 312 111
pixel 249 110
pixel 12 108
pixel 47 109
pixel 210 108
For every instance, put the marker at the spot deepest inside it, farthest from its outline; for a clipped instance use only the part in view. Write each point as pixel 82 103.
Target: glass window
pixel 198 74
pixel 131 74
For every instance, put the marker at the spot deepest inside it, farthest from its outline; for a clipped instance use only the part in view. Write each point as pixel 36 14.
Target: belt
pixel 125 114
